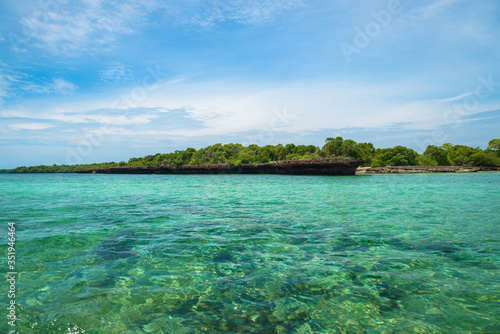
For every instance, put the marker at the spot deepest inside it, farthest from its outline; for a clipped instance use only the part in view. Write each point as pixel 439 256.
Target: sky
pixel 97 81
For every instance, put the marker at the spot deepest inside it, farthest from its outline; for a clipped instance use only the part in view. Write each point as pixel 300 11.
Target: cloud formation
pixel 172 73
pixel 30 126
pixel 240 11
pixel 54 86
pixel 206 108
pixel 95 25
pixel 87 25
pixel 116 73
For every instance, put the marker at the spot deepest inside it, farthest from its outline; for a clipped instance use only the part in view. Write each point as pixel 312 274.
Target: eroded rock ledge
pixel 424 169
pixel 330 166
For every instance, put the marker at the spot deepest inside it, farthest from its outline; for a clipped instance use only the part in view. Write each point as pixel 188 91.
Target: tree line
pixel 236 154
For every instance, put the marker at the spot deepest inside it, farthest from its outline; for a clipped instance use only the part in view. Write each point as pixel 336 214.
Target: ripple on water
pixel 255 254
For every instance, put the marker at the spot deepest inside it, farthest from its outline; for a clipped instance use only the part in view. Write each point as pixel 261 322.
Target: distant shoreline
pixel 291 159
pixel 327 166
pixel 424 169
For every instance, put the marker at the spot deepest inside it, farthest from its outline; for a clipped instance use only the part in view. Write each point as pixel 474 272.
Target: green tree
pixel 484 158
pixel 365 152
pixel 332 147
pixel 459 155
pixel 396 156
pixel 494 145
pixel 435 155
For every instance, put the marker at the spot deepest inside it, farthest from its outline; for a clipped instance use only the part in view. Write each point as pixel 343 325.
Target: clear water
pixel 254 253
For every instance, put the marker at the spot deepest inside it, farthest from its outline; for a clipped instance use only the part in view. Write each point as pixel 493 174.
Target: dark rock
pixel 493 329
pixel 223 257
pixel 328 166
pixel 209 306
pixel 353 272
pixel 391 292
pixel 389 306
pixel 441 247
pixel 117 248
pixel 424 169
pixel 186 307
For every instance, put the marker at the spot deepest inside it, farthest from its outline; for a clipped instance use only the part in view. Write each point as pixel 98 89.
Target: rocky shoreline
pixel 329 166
pixel 424 169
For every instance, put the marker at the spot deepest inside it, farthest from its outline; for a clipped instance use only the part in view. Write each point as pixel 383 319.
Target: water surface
pixel 254 253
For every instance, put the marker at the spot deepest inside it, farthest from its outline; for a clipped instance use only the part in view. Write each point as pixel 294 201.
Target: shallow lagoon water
pixel 254 253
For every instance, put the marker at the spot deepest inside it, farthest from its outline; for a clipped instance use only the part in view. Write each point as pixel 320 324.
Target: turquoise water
pixel 253 253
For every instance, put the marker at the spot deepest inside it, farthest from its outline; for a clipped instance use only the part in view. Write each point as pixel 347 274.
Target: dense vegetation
pixel 445 155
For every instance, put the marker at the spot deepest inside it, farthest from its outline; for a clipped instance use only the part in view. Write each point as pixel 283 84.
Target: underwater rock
pixel 223 257
pixel 353 272
pixel 441 247
pixel 388 306
pixel 117 248
pixel 385 290
pixel 246 296
pixel 209 306
pixel 384 265
pixel 492 329
pixel 185 307
pixel 298 240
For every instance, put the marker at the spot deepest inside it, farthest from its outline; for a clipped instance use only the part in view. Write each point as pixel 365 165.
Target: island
pixel 336 157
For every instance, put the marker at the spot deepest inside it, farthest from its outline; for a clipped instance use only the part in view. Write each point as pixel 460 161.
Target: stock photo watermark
pixel 12 276
pixel 365 34
pixel 469 105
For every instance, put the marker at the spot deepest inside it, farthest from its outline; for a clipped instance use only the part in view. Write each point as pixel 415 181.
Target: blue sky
pixel 93 81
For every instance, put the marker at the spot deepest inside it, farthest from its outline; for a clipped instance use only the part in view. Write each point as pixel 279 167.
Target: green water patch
pixel 255 254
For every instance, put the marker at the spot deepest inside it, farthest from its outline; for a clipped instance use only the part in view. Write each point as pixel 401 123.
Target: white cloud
pixel 13 83
pixel 190 110
pixel 439 19
pixel 7 79
pixel 88 25
pixel 55 115
pixel 30 126
pixel 93 25
pixel 121 120
pixel 56 86
pixel 456 98
pixel 431 9
pixel 4 86
pixel 116 73
pixel 62 86
pixel 240 11
pixel 226 108
pixel 99 117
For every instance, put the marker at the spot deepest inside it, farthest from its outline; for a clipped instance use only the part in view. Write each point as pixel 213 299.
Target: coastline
pixel 326 166
pixel 329 166
pixel 424 169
